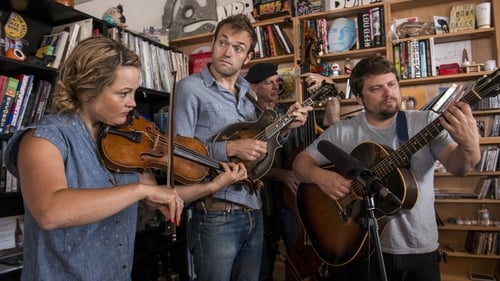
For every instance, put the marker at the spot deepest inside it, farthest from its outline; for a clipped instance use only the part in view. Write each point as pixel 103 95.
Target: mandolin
pixel 267 128
pixel 337 229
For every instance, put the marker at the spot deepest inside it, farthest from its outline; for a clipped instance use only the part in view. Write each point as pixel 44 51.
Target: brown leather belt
pixel 221 206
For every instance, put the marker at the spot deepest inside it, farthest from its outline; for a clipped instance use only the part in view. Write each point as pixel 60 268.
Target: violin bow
pixel 170 177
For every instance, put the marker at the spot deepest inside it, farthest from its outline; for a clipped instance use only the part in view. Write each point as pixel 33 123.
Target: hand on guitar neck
pixel 266 128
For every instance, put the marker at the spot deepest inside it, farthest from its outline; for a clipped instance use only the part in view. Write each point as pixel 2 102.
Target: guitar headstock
pixel 324 92
pixel 488 86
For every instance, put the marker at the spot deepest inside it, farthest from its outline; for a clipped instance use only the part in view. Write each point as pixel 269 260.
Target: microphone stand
pixel 373 228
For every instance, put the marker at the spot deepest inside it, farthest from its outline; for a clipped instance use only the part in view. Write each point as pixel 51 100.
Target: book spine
pixel 415 59
pixel 272 44
pixel 433 56
pixel 283 39
pixel 258 46
pixel 397 59
pixel 382 27
pixel 7 101
pixel 367 43
pixel 404 59
pixel 377 33
pixel 16 107
pixel 26 99
pixel 360 42
pixel 423 58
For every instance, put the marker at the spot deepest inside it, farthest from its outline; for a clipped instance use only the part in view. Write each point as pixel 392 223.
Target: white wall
pixel 138 13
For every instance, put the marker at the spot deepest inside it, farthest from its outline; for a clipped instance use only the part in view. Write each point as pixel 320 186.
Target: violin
pixel 139 145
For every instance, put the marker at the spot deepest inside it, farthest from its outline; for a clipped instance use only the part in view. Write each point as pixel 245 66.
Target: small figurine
pixel 114 16
pixel 335 68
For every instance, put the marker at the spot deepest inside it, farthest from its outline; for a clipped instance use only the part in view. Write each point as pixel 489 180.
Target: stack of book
pixel 272 41
pixel 447 97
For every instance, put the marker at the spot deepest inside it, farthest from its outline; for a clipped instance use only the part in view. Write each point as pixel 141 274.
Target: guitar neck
pixel 282 121
pixel 402 156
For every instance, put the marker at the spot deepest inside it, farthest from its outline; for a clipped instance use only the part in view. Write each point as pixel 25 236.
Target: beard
pixel 384 114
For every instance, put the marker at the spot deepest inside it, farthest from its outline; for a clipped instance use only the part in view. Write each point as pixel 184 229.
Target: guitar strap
pixel 402 127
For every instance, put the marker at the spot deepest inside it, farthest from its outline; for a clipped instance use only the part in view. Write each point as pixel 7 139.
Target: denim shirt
pixel 202 108
pixel 97 251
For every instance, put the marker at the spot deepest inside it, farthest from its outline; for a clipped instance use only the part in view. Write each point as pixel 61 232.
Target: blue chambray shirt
pixel 201 109
pixel 98 251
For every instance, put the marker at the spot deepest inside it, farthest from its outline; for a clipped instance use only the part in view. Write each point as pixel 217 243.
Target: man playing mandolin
pixel 410 238
pixel 226 232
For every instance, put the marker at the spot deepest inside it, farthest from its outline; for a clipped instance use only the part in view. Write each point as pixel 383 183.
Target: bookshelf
pixel 41 17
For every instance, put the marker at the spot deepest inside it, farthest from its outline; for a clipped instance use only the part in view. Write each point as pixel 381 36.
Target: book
pixel 7 101
pixel 74 32
pixel 24 85
pixel 366 31
pixel 462 17
pixel 414 55
pixel 3 85
pixel 198 61
pixel 287 46
pixel 377 24
pixel 29 111
pixel 273 45
pixel 60 48
pixel 53 44
pixel 24 104
pixel 258 47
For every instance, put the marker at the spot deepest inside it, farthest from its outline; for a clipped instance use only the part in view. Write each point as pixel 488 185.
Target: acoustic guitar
pixel 338 228
pixel 267 128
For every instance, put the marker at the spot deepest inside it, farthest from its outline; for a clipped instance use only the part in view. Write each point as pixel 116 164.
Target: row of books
pixel 448 96
pixel 488 187
pixel 483 242
pixel 488 103
pixel 489 160
pixel 24 100
pixel 159 64
pixel 272 41
pixel 415 58
pixel 371 28
pixel 8 182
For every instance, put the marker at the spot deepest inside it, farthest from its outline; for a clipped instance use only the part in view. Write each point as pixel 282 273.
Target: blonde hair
pixel 88 70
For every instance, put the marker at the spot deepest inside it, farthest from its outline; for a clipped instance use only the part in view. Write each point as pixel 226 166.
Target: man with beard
pixel 410 240
pixel 226 232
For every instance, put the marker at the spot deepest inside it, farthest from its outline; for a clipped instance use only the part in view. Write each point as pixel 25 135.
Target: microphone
pixel 353 169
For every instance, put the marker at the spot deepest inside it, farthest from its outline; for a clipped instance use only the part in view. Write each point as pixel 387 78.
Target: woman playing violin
pixel 80 217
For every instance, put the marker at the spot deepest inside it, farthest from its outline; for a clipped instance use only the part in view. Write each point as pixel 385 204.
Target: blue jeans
pixel 226 245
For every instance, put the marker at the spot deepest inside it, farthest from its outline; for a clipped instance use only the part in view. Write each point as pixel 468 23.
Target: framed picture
pixel 441 24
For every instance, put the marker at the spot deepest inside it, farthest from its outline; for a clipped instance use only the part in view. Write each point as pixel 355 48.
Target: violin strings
pixel 199 156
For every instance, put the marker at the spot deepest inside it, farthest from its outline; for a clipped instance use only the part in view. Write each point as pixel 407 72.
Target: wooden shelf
pixel 468 255
pixel 468 201
pixel 463 227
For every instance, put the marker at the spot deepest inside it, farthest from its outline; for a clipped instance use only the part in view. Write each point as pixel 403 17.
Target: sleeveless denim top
pixel 98 251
